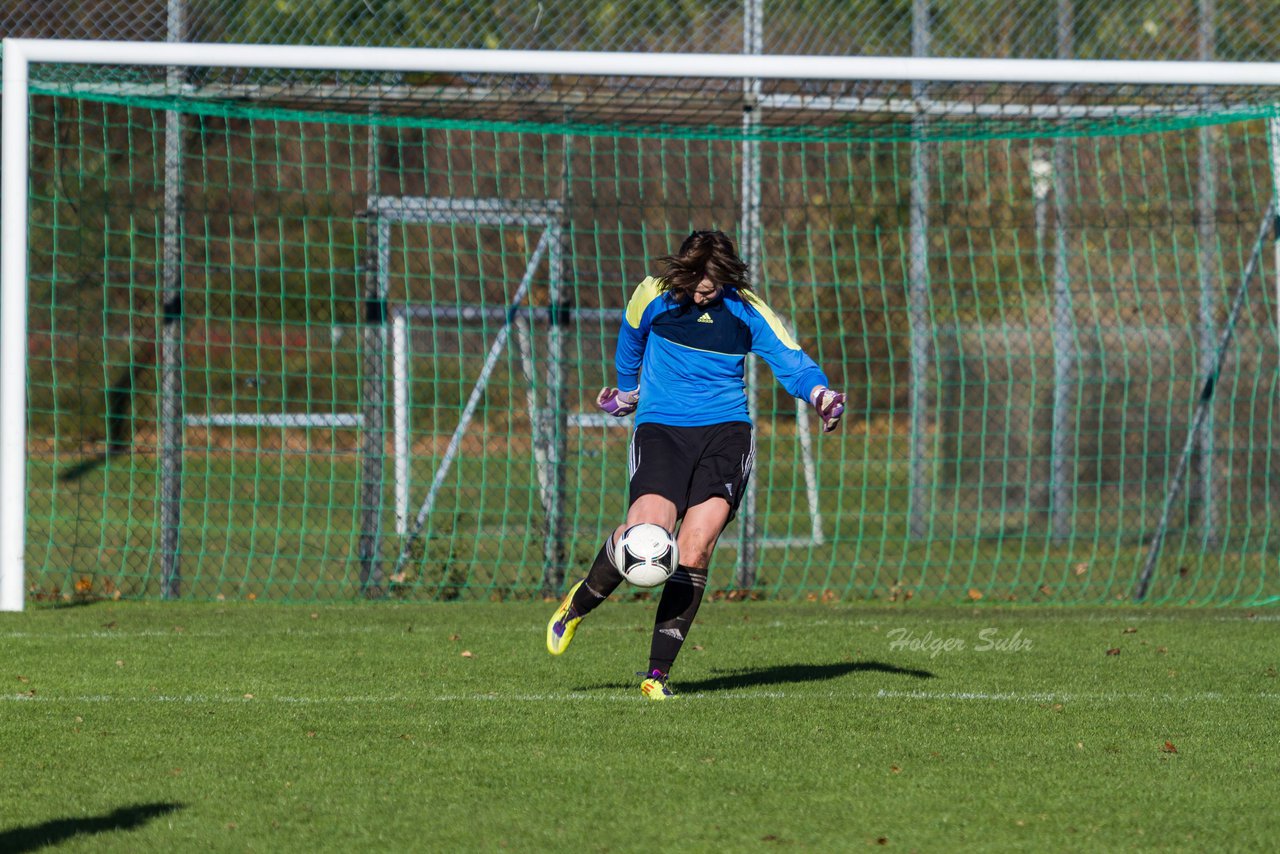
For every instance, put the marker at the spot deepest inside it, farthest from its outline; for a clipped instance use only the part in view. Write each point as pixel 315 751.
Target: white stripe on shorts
pixel 749 461
pixel 633 457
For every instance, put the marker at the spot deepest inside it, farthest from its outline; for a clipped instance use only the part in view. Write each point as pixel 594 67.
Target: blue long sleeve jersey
pixel 688 361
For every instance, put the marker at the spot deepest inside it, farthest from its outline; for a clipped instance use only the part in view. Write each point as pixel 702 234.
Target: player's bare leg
pixel 700 531
pixel 650 508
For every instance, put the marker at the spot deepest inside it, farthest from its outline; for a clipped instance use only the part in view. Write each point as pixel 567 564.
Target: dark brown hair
pixel 703 255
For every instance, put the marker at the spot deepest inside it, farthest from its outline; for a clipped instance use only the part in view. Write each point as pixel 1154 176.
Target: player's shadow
pixel 56 831
pixel 786 674
pixel 790 674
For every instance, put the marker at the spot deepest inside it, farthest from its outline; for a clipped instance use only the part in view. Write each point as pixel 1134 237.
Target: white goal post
pixel 21 54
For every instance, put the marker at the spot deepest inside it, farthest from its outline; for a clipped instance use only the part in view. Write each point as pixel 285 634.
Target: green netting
pixel 387 320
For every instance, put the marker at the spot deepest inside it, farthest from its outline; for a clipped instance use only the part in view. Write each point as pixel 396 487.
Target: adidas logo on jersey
pixel 706 318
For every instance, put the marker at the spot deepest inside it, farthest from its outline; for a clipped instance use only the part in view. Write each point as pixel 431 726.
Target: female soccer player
pixel 680 357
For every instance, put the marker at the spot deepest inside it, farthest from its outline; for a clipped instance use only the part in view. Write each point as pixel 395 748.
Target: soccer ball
pixel 646 555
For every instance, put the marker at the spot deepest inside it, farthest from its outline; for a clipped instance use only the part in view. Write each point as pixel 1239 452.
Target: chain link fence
pixel 1090 29
pixel 967 429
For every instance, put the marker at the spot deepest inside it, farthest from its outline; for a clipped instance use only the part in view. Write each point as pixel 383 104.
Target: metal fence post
pixel 1207 235
pixel 918 294
pixel 749 243
pixel 171 406
pixel 373 343
pixel 1061 470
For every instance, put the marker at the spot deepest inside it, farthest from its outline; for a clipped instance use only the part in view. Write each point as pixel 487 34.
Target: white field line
pixel 1038 697
pixel 890 620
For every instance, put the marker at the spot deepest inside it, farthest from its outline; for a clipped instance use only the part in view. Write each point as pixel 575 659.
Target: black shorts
pixel 688 465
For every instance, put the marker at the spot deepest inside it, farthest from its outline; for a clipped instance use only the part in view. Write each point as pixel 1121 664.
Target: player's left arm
pixel 795 370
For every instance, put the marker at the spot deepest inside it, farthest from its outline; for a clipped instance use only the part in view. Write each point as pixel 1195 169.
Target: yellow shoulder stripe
pixel 645 293
pixel 775 322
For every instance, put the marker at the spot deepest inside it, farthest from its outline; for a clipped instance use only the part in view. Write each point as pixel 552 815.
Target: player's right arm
pixel 629 357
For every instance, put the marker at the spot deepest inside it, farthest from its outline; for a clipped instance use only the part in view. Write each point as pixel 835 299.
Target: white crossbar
pixel 599 64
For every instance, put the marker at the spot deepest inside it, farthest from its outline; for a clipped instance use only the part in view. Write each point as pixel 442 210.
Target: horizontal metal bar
pixel 786 101
pixel 470 313
pixel 723 66
pixel 598 419
pixel 450 211
pixel 282 419
pixel 959 109
pixel 788 542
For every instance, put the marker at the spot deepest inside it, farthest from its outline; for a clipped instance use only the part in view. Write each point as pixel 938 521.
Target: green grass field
pixel 447 727
pixel 287 528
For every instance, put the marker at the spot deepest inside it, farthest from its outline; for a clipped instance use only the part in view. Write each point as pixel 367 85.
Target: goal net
pixel 335 329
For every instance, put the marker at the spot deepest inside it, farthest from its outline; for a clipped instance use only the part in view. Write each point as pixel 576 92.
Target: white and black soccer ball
pixel 646 554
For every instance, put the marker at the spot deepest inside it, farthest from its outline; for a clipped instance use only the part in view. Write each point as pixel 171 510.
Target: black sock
pixel 676 610
pixel 602 579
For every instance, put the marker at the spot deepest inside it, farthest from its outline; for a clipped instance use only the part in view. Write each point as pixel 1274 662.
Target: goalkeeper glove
pixel 830 406
pixel 617 403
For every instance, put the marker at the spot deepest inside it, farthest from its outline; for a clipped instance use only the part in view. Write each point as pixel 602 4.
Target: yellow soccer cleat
pixel 655 687
pixel 560 630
